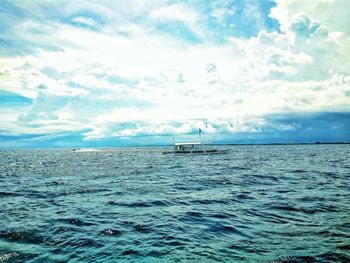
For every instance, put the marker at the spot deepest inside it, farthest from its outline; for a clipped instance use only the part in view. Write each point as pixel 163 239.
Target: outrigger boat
pixel 193 148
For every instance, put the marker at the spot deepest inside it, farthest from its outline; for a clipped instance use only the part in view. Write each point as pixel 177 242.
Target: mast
pixel 199 135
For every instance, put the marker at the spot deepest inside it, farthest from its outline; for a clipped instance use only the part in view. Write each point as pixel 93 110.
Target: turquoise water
pixel 287 203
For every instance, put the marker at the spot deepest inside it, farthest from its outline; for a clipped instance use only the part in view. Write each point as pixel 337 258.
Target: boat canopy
pixel 187 143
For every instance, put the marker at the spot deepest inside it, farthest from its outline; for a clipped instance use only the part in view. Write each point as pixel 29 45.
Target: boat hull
pixel 213 151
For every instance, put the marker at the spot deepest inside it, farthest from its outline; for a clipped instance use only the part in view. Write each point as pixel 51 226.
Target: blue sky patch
pixel 10 99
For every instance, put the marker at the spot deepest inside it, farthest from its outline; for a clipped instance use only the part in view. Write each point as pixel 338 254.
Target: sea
pixel 254 203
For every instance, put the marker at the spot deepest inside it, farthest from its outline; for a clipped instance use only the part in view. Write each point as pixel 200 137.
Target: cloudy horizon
pixel 109 73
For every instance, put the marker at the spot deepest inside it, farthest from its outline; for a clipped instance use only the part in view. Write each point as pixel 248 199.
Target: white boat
pixel 193 148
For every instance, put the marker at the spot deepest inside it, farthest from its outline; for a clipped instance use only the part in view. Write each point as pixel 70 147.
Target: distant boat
pixel 193 148
pixel 85 150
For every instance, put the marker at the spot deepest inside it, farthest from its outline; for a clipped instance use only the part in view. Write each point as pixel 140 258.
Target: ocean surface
pixel 277 203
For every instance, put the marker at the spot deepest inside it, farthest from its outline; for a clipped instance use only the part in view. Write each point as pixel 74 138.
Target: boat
pixel 193 148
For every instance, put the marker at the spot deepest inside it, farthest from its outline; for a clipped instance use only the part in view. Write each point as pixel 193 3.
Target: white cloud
pixel 86 21
pixel 125 81
pixel 332 13
pixel 176 12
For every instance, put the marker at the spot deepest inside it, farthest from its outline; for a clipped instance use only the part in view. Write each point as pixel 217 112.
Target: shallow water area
pixel 256 203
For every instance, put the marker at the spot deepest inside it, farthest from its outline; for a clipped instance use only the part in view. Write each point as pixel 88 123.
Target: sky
pixel 114 73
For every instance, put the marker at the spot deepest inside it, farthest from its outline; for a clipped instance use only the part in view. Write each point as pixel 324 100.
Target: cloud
pixel 333 14
pixel 322 10
pixel 176 12
pixel 109 69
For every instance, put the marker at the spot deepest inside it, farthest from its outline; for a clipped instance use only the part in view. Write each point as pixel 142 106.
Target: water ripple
pixel 287 203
